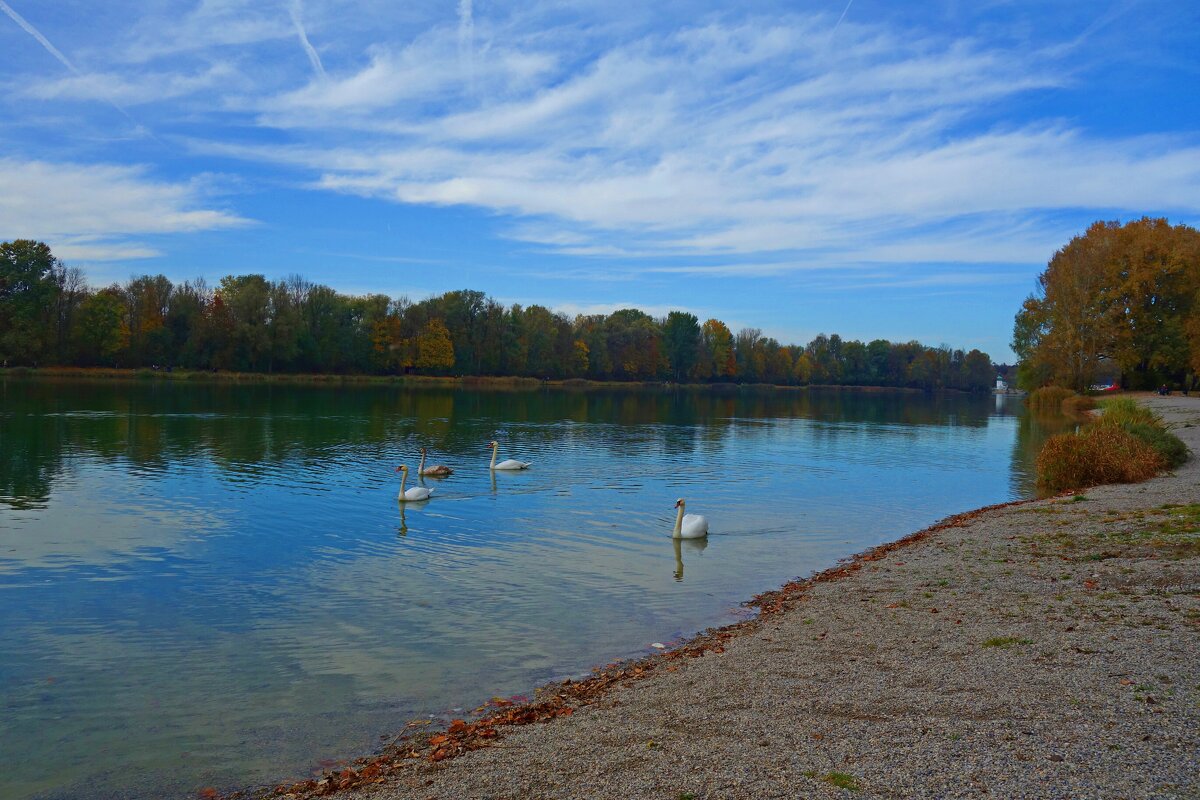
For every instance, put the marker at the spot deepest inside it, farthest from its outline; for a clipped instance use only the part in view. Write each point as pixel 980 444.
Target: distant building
pixel 1001 384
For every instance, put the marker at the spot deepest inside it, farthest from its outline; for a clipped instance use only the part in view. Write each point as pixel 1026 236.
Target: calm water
pixel 215 585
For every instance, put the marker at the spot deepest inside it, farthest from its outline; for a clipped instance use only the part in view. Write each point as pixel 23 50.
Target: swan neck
pixel 495 447
pixel 679 522
pixel 421 468
pixel 403 478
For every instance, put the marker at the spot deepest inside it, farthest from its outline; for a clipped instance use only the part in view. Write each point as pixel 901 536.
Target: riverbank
pixel 1039 649
pixel 465 382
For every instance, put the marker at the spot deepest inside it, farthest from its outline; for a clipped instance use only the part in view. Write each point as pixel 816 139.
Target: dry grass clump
pixel 1139 421
pixel 1048 399
pixel 1099 454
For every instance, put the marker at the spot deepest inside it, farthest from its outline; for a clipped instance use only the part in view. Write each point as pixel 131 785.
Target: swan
pixel 439 471
pixel 692 526
pixel 414 494
pixel 508 463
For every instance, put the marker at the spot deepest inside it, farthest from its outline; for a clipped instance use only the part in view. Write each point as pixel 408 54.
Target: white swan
pixel 414 494
pixel 692 526
pixel 508 463
pixel 439 471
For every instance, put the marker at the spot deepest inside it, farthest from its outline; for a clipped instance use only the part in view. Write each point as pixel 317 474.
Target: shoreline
pixel 944 690
pixel 204 377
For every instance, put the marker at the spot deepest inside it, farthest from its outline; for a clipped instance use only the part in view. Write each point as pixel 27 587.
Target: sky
pixel 867 168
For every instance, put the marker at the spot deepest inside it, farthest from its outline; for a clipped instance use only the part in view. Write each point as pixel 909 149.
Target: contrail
pixel 842 17
pixel 66 62
pixel 314 59
pixel 35 33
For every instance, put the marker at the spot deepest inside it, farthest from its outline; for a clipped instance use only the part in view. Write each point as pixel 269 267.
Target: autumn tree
pixel 1125 294
pixel 435 350
pixel 718 341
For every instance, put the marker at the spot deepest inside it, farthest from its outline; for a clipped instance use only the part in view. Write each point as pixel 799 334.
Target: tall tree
pixel 102 331
pixel 435 350
pixel 681 337
pixel 27 295
pixel 718 341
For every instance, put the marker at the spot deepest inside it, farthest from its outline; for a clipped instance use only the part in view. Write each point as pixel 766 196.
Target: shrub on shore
pixel 1141 422
pixel 1098 454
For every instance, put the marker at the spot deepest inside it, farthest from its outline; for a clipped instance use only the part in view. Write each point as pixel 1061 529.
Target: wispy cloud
pixel 466 38
pixel 740 139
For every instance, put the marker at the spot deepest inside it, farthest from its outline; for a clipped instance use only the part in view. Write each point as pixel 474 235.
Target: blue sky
pixel 871 168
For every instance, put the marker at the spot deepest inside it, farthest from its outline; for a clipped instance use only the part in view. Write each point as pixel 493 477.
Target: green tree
pixel 27 295
pixel 102 331
pixel 681 338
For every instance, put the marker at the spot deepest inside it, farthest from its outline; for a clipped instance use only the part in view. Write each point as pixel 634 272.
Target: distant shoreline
pixel 146 374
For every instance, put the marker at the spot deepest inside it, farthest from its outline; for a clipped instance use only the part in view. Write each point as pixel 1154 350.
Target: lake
pixel 214 585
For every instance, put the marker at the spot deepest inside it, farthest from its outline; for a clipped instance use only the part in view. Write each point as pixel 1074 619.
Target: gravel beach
pixel 1039 650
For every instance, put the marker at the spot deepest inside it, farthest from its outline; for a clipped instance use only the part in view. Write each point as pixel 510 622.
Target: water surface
pixel 214 584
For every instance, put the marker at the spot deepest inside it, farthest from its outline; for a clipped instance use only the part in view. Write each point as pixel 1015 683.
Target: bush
pixel 1125 411
pixel 1099 454
pixel 1165 443
pixel 1048 399
pixel 1139 421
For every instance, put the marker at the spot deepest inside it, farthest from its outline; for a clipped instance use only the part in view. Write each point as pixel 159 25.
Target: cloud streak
pixel 302 35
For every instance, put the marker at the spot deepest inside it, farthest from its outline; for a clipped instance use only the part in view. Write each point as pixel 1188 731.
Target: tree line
pixel 1120 301
pixel 49 315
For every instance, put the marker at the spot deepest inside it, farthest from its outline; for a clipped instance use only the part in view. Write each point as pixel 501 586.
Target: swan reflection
pixel 694 545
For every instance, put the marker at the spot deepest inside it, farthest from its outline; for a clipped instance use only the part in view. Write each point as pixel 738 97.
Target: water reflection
pixel 215 580
pixel 696 546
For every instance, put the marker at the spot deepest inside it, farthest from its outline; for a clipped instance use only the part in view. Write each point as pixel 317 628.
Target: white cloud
pixel 133 89
pixel 92 210
pixel 742 140
pixel 728 146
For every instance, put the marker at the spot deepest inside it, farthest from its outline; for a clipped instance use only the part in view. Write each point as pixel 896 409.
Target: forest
pixel 1119 302
pixel 49 315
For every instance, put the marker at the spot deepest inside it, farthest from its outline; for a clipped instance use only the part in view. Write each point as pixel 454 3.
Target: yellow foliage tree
pixel 435 349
